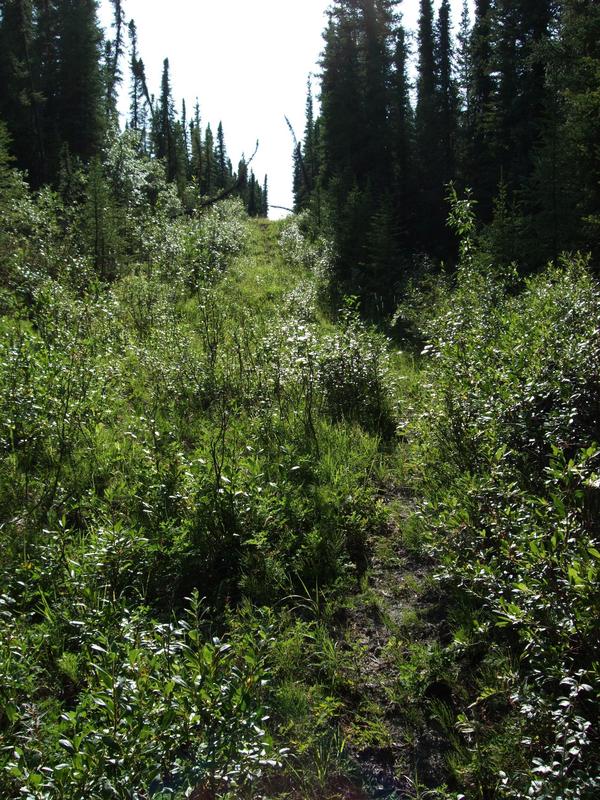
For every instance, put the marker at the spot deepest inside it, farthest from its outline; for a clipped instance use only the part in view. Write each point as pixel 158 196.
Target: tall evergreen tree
pixel 21 99
pixel 352 59
pixel 208 184
pixel 197 160
pixel 264 211
pixel 221 170
pixel 447 94
pixel 481 173
pixel 464 69
pixel 136 93
pixel 242 180
pixel 164 134
pixel 80 96
pixel 54 97
pixel 564 193
pixel 429 156
pixel 252 206
pixel 402 120
pixel 113 54
pixel 376 30
pixel 305 157
pixel 184 131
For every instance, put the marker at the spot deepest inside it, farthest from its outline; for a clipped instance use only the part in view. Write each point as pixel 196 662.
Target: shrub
pixel 510 433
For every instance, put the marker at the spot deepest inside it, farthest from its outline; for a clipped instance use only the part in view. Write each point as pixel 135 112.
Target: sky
pixel 247 62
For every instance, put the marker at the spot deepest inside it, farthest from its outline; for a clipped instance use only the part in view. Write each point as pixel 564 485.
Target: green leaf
pixel 68 745
pixel 11 712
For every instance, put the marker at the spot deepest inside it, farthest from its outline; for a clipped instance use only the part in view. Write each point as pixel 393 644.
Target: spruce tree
pixel 402 121
pixel 252 206
pixel 447 94
pixel 376 25
pixel 566 181
pixel 343 127
pixel 80 95
pixel 197 160
pixel 481 172
pixel 181 166
pixel 113 53
pixel 21 98
pixel 136 93
pixel 208 183
pixel 264 212
pixel 305 157
pixel 464 70
pixel 429 159
pixel 164 134
pixel 298 182
pixel 242 180
pixel 221 170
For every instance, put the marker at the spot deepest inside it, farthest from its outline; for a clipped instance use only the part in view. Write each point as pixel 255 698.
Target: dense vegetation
pixel 250 546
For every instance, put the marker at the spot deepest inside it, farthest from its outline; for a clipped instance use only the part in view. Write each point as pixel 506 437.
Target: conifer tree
pixel 463 57
pixel 136 93
pixel 242 180
pixel 99 222
pixel 564 193
pixel 113 54
pixel 164 135
pixel 181 167
pixel 298 190
pixel 264 212
pixel 79 111
pixel 464 78
pixel 54 97
pixel 429 159
pixel 184 132
pixel 447 94
pixel 208 183
pixel 21 99
pixel 305 157
pixel 222 176
pixel 481 173
pixel 197 161
pixel 402 121
pixel 376 25
pixel 343 126
pixel 252 206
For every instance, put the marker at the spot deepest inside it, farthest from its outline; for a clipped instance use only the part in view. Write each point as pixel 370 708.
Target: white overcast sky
pixel 247 61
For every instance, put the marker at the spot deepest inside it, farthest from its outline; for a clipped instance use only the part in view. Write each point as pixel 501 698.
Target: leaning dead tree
pixel 234 186
pixel 282 208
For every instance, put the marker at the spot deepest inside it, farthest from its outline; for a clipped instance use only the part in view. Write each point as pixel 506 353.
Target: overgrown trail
pixel 390 622
pixel 396 623
pixel 261 278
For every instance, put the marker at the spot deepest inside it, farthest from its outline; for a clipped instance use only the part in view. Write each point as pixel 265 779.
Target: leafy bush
pixel 353 371
pixel 161 710
pixel 510 434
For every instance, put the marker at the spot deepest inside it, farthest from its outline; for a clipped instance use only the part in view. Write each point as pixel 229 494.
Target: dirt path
pixel 394 625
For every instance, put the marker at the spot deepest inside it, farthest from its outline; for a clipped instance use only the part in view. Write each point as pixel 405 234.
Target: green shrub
pixel 510 434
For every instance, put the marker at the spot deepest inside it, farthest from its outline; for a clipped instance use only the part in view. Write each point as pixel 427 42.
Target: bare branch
pixel 231 189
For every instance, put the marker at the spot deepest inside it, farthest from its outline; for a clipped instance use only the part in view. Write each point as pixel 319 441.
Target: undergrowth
pixel 198 454
pixel 506 444
pixel 180 447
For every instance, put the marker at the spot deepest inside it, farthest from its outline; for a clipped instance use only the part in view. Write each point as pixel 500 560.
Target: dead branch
pixel 231 189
